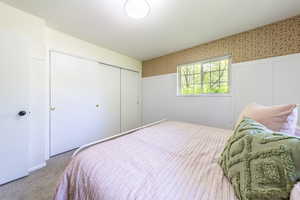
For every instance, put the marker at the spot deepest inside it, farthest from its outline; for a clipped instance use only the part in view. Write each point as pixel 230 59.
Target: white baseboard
pixel 32 169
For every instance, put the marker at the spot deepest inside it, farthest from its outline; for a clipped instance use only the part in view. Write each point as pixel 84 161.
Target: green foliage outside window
pixel 204 78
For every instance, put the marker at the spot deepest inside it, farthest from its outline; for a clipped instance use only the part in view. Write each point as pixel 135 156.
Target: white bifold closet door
pixel 14 106
pixel 85 102
pixel 130 98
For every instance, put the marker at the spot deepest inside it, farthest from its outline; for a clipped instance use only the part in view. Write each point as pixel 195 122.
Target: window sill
pixel 205 95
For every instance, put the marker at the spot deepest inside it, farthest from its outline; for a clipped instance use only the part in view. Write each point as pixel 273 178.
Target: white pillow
pixel 295 194
pixel 297 132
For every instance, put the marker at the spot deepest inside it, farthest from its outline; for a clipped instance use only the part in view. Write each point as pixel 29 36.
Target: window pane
pixel 198 89
pixel 187 82
pixel 224 75
pixel 206 88
pixel 182 69
pixel 224 88
pixel 215 77
pixel 183 81
pixel 187 91
pixel 215 66
pixel 206 67
pixel 187 69
pixel 197 68
pixel 197 79
pixel 223 64
pixel 207 78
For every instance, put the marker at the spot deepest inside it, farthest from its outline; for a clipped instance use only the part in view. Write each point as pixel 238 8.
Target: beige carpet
pixel 39 185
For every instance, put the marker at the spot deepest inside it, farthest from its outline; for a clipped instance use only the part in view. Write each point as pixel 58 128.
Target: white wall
pixel 267 81
pixel 65 43
pixel 160 101
pixel 41 39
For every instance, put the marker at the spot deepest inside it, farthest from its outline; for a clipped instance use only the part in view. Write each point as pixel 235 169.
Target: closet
pixel 89 101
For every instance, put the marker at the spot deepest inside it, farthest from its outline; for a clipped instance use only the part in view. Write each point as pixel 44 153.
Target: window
pixel 207 77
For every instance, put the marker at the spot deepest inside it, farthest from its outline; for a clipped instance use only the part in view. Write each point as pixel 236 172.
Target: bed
pixel 170 160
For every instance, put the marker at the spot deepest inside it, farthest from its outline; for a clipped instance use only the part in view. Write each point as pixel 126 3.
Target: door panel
pixel 14 97
pixel 130 98
pixel 85 102
pixel 109 101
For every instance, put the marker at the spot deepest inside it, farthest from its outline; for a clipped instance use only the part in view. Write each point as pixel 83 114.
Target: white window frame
pixel 229 94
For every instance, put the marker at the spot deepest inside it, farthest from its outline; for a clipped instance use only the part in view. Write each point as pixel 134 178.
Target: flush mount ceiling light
pixel 137 8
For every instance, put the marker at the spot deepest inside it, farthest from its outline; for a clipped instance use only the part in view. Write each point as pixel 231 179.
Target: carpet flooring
pixel 40 184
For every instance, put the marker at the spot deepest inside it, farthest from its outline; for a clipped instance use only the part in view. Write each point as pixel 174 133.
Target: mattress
pixel 169 161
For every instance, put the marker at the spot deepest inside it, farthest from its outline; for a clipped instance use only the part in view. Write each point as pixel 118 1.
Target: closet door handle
pixel 22 113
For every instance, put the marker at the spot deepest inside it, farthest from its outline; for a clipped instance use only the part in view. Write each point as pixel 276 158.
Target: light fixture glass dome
pixel 137 8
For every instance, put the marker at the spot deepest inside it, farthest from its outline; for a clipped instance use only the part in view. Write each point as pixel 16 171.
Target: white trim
pixel 115 136
pixel 49 105
pixel 206 95
pixel 207 60
pixel 93 60
pixel 32 169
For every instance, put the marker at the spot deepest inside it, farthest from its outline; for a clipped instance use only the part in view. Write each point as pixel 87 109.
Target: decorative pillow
pixel 295 194
pixel 261 164
pixel 282 118
pixel 297 132
pixel 290 125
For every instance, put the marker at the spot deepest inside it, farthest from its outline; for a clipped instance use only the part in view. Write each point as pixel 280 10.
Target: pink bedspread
pixel 169 161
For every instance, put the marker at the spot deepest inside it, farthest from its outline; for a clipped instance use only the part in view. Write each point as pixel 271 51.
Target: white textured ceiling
pixel 171 26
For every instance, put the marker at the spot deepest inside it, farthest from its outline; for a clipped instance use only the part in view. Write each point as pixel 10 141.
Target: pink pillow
pixel 281 118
